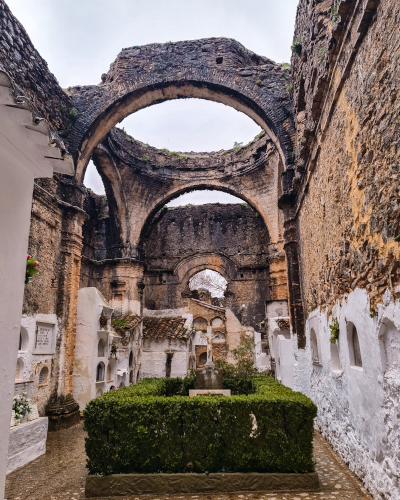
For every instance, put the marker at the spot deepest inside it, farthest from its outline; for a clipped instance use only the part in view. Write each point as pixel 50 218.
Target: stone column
pixel 296 310
pixel 126 281
pixel 63 410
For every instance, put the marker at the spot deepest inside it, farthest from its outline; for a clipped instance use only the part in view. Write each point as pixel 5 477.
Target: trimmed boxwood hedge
pixel 139 429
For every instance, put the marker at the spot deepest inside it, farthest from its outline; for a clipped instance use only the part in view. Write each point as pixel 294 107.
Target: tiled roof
pixel 158 328
pixel 206 304
pixel 124 323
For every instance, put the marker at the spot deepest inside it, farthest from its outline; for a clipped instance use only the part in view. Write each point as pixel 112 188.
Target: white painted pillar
pixel 16 187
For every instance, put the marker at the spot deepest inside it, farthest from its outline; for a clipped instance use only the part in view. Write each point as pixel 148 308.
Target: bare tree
pixel 210 280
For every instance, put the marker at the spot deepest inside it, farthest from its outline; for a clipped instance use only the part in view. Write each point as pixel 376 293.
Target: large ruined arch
pixel 216 69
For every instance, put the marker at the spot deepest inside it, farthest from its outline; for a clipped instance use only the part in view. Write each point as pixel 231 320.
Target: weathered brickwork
pixel 348 128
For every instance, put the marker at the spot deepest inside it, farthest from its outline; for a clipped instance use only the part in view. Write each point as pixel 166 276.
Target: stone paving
pixel 60 475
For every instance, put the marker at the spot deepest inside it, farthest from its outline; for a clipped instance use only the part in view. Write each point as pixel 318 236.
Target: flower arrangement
pixel 21 406
pixel 114 349
pixel 31 269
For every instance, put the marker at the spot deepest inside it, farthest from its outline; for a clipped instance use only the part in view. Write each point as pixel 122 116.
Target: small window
pixel 131 377
pixel 390 346
pixel 121 385
pixel 101 348
pixel 43 375
pixel 203 359
pixel 314 346
pixel 131 359
pixel 100 372
pixel 219 60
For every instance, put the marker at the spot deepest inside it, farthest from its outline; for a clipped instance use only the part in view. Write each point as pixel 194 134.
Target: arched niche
pixel 314 347
pixel 101 349
pixel 99 392
pixel 202 358
pixel 200 323
pixel 131 359
pixel 23 339
pixel 19 371
pixel 109 376
pixel 44 376
pixel 335 359
pixel 100 372
pixel 217 322
pixel 389 343
pixel 246 81
pixel 353 342
pixel 220 337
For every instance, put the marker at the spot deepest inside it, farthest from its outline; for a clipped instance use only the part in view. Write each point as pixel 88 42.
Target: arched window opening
pixel 121 385
pixel 354 345
pixel 93 180
pixel 19 371
pixel 101 349
pixel 390 346
pixel 314 346
pixel 200 324
pixel 203 197
pixel 191 125
pixel 131 358
pixel 23 339
pixel 131 377
pixel 209 281
pixel 203 359
pixel 99 393
pixel 100 372
pixel 109 378
pixel 43 376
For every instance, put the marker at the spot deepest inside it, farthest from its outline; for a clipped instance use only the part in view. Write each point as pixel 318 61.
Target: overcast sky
pixel 80 39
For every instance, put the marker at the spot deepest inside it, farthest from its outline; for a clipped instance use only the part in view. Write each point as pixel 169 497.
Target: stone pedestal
pixel 209 378
pixel 209 392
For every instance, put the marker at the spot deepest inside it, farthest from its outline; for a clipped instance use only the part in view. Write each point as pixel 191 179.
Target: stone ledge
pixel 162 484
pixel 209 392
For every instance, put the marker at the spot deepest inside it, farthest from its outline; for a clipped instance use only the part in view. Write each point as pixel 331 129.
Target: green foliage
pixel 243 204
pixel 321 53
pixel 73 113
pixel 259 83
pixel 138 429
pixel 145 158
pixel 334 331
pixel 285 65
pixel 289 88
pixel 31 269
pixel 296 46
pixel 62 106
pixel 372 312
pixel 334 14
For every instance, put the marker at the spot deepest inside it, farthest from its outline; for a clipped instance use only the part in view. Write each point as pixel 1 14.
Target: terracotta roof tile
pixel 124 323
pixel 158 328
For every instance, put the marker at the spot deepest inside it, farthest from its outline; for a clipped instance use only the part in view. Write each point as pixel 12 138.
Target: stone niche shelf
pixel 168 484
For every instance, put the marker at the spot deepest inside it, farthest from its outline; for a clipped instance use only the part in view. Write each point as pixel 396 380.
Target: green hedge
pixel 139 429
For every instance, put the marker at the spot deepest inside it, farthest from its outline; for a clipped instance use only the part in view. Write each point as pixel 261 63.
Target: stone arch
pixel 189 266
pixel 200 323
pixel 143 76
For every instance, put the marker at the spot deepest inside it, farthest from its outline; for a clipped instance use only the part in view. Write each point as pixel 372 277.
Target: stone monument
pixel 209 379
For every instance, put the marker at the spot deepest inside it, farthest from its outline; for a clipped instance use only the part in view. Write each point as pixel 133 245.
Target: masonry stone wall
pixel 182 233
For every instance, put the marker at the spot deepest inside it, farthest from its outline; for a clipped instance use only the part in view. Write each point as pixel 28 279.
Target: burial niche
pixel 314 346
pixel 100 372
pixel 390 346
pixel 43 376
pixel 101 347
pixel 354 345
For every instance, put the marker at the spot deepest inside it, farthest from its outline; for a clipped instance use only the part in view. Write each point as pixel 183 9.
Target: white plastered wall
pixel 358 408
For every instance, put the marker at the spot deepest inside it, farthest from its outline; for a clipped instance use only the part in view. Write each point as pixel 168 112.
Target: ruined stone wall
pixel 235 231
pixel 30 72
pixel 348 215
pixel 347 101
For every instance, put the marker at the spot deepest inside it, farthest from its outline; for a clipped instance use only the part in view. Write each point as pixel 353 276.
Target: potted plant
pixel 21 407
pixel 31 269
pixel 114 349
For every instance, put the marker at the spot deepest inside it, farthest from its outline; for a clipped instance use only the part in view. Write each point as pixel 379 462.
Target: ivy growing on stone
pixel 334 331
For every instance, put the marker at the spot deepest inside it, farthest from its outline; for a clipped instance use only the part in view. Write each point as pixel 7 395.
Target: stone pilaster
pixel 62 409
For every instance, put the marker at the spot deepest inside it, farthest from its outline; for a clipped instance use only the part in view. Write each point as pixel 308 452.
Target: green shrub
pixel 137 429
